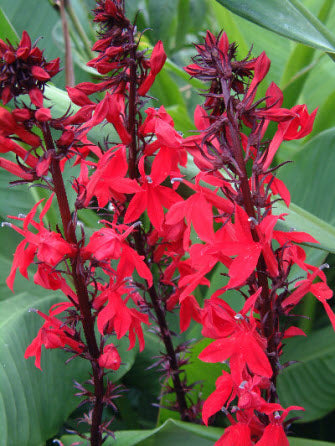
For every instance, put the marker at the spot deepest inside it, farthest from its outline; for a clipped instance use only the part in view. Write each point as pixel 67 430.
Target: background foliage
pixel 297 37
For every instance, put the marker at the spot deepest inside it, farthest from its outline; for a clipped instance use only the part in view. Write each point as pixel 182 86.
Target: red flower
pixel 24 70
pixel 108 244
pixel 244 347
pixel 110 359
pixel 108 180
pixel 236 435
pixel 224 392
pixel 157 61
pixel 49 247
pixel 152 197
pixel 53 334
pixel 116 316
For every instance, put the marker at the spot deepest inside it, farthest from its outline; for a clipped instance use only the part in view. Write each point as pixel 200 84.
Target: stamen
pixel 175 180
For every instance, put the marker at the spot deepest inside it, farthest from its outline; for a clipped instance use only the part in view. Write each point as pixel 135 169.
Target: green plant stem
pixel 80 30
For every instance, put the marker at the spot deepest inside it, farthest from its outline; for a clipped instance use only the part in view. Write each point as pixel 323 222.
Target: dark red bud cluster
pixel 24 70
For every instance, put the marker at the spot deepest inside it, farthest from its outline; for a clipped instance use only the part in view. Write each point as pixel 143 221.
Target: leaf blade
pixel 287 18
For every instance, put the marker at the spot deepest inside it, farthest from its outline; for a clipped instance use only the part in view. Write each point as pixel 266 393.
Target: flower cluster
pixel 23 70
pixel 258 258
pixel 141 262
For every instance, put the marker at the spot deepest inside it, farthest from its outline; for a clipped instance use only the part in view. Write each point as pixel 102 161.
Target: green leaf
pixel 162 17
pixel 300 64
pixel 26 392
pixel 177 433
pixel 13 199
pixel 183 22
pixel 296 72
pixel 171 432
pixel 202 373
pixel 300 220
pixel 7 31
pixel 310 179
pixel 310 381
pixel 325 117
pixel 288 18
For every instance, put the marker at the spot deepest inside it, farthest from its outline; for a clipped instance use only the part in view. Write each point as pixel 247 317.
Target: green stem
pixel 80 30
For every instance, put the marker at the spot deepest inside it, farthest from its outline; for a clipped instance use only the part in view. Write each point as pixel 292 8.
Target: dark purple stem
pixel 79 280
pixel 155 300
pixel 267 316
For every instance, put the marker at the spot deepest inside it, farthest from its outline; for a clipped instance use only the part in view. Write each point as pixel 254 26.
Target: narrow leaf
pixel 7 31
pixel 289 18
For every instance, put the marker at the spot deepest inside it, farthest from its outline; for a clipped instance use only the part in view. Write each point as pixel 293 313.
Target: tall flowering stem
pixel 141 262
pixel 233 155
pixel 70 261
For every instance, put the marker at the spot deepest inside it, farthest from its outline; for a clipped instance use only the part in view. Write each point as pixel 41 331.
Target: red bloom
pixel 49 247
pixel 108 180
pixel 110 359
pixel 24 70
pixel 53 334
pixel 108 244
pixel 152 197
pixel 116 316
pixel 224 392
pixel 236 435
pixel 244 347
pixel 157 61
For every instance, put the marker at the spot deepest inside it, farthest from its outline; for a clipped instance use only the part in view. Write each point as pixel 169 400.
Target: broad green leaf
pixel 25 391
pixel 14 199
pixel 177 433
pixel 300 220
pixel 310 381
pixel 166 90
pixel 199 372
pixel 162 20
pixel 325 117
pixel 7 30
pixel 289 18
pixel 310 181
pixel 300 63
pixel 296 72
pixel 183 20
pixel 171 432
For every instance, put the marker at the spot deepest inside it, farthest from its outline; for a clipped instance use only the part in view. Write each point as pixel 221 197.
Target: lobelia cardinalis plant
pixel 142 263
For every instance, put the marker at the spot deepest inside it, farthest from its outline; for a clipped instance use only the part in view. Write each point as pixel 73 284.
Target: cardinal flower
pixel 153 197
